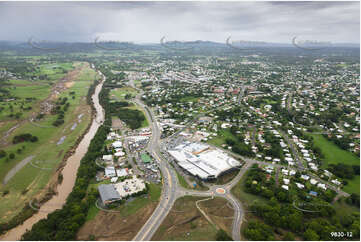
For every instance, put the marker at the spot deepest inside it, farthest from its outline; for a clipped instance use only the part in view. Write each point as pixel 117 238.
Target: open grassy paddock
pixel 333 155
pixel 220 139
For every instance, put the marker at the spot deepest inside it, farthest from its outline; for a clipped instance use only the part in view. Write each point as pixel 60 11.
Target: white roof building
pixel 285 187
pixel 299 185
pixel 119 154
pixel 109 172
pixel 313 181
pixel 337 182
pixel 117 144
pixel 201 160
pixel 289 159
pixel 321 185
pixel 305 177
pixel 122 172
pixel 108 158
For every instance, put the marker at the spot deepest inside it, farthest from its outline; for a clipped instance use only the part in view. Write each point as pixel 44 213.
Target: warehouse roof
pixel 201 160
pixel 108 193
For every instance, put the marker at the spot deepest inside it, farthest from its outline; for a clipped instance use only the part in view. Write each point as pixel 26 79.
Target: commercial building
pixel 201 160
pixel 108 194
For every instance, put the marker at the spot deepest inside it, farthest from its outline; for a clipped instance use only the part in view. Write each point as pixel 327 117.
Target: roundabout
pixel 220 191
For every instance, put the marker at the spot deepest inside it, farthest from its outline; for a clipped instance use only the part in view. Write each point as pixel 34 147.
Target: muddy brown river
pixel 69 174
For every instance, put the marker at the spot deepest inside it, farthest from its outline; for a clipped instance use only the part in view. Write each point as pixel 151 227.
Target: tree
pixel 258 231
pixel 2 153
pixel 12 156
pixel 295 222
pixel 288 236
pixel 311 235
pixel 222 236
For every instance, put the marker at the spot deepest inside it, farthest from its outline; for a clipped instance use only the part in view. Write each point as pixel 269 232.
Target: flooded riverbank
pixel 69 174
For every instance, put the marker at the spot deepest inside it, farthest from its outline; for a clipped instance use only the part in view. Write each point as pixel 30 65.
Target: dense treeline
pixel 310 226
pixel 344 171
pixel 63 224
pixel 343 143
pixel 258 183
pixel 354 200
pixel 132 117
pixel 59 111
pixel 285 211
pixel 24 138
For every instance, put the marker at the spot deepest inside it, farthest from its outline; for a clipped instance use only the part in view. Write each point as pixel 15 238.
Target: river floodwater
pixel 69 173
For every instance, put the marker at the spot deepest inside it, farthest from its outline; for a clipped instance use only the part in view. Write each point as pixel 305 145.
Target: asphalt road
pixel 170 184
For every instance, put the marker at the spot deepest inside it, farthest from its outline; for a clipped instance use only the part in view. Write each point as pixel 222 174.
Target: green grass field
pixel 21 89
pixel 53 71
pixel 140 202
pixel 119 94
pixel 333 155
pixel 30 181
pixel 220 139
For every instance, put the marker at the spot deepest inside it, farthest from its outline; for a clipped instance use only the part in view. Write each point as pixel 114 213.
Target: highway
pixel 170 183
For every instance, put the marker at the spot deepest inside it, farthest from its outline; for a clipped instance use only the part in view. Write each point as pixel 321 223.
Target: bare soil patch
pixel 186 222
pixel 112 226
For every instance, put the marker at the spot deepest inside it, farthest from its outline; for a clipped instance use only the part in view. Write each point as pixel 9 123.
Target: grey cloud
pixel 149 21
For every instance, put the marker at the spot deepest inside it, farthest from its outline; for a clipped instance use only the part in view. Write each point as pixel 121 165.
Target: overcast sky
pixel 183 21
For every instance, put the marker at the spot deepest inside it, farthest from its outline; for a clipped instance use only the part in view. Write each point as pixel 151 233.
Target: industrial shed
pixel 108 193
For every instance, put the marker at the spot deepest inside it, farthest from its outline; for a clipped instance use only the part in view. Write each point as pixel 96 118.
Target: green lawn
pixel 182 181
pixel 342 208
pixel 132 207
pixel 244 197
pixel 220 139
pixel 35 90
pixel 333 155
pixel 189 99
pixel 92 212
pixel 119 93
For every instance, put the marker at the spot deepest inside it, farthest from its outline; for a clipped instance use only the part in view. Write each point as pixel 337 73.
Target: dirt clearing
pixel 186 222
pixel 112 226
